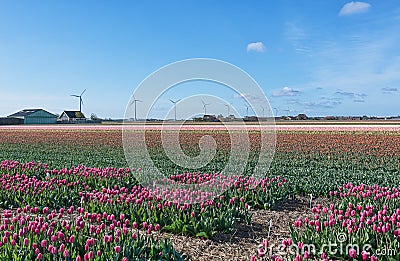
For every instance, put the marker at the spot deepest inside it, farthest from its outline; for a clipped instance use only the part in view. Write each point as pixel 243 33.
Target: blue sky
pixel 313 57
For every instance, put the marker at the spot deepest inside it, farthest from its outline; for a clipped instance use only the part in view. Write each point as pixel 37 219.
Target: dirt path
pixel 244 241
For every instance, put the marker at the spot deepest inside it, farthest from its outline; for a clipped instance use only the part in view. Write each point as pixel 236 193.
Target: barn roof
pixel 24 113
pixel 75 114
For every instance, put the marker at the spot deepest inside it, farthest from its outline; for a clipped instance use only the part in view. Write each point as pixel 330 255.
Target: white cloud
pixel 351 94
pixel 294 32
pixel 327 104
pixel 256 47
pixel 389 90
pixel 323 102
pixel 354 8
pixel 297 37
pixel 250 97
pixel 286 91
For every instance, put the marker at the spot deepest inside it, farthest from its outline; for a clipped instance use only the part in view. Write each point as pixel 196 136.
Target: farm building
pixel 72 117
pixel 10 121
pixel 34 116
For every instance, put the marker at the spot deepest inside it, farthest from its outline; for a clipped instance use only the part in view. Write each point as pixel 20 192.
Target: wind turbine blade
pixel 74 95
pixel 203 102
pixel 83 92
pixel 139 100
pixel 172 101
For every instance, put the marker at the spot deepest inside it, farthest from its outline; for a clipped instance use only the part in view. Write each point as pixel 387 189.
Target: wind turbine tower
pixel 134 101
pixel 247 110
pixel 80 99
pixel 205 107
pixel 174 102
pixel 229 109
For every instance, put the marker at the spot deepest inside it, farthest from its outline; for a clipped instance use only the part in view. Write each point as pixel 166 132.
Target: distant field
pixel 277 122
pixel 284 126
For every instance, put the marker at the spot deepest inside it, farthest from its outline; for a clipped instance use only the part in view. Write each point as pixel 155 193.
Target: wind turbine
pixel 228 106
pixel 263 110
pixel 276 112
pixel 174 102
pixel 205 107
pixel 247 110
pixel 135 101
pixel 80 99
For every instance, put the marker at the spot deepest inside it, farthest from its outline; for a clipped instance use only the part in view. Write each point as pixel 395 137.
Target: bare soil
pixel 245 239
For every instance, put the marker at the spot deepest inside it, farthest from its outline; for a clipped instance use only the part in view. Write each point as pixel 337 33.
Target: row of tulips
pixel 362 223
pixel 170 209
pixel 176 212
pixel 29 233
pixel 35 184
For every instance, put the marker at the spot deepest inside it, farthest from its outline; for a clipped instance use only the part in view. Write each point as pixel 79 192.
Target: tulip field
pixel 67 193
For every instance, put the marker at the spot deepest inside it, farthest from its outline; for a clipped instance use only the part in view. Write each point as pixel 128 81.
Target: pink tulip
pixel 62 248
pixel 265 243
pixel 298 258
pixel 261 252
pixel 364 255
pixel 352 253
